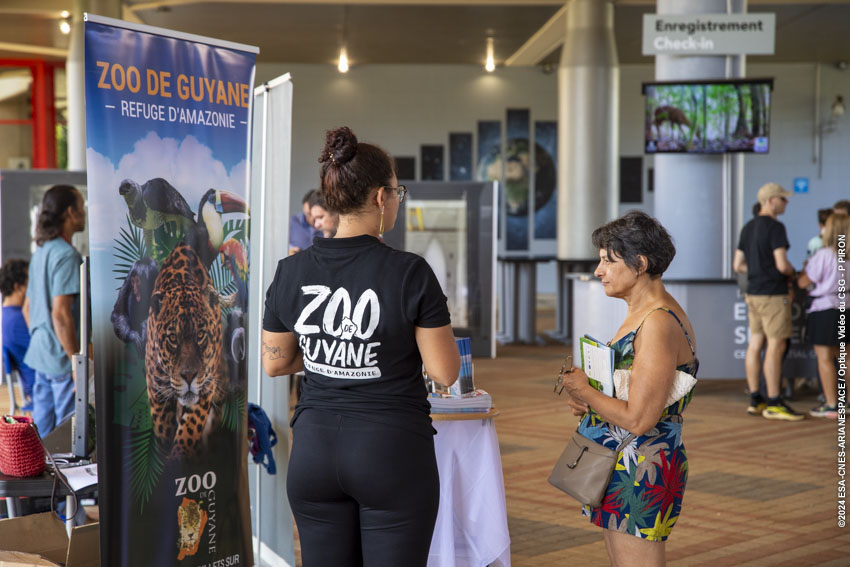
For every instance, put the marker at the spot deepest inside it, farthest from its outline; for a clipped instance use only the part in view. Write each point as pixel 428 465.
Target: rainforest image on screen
pixel 710 117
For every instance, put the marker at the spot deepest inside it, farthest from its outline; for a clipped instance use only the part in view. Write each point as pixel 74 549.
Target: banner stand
pixel 168 131
pixel 270 191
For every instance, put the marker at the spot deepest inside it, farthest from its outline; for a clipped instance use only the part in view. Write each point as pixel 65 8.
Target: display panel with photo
pixel 708 117
pixel 437 231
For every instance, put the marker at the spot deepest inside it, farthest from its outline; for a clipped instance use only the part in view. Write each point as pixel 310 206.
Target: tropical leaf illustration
pixel 222 278
pixel 232 411
pixel 129 249
pixel 147 460
pixel 236 228
pixel 166 237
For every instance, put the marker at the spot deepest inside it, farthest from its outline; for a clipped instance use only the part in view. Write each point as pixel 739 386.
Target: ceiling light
pixel 65 13
pixel 490 64
pixel 343 61
pixel 65 26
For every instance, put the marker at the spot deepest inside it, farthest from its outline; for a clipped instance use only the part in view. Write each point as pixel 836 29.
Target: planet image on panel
pixel 517 174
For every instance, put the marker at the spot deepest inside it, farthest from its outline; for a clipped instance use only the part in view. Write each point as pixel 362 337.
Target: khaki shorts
pixel 770 315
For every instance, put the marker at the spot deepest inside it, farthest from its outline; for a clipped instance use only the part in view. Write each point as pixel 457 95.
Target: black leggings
pixel 362 493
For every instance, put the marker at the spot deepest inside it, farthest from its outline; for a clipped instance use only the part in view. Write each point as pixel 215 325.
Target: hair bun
pixel 340 146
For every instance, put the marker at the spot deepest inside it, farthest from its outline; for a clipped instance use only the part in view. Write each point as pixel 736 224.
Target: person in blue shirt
pixel 16 335
pixel 301 231
pixel 53 304
pixel 325 222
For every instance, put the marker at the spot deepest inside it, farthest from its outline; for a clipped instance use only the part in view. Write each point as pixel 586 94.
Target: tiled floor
pixel 759 492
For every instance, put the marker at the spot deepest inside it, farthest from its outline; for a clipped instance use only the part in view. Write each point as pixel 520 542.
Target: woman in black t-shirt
pixel 360 318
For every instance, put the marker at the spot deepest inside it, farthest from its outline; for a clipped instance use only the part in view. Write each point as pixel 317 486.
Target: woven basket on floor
pixel 21 452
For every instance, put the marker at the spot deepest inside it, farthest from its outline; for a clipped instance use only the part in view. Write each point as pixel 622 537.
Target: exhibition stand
pixel 518 302
pixel 452 225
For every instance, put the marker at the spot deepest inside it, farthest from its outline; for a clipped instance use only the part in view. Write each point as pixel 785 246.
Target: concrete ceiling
pixel 408 31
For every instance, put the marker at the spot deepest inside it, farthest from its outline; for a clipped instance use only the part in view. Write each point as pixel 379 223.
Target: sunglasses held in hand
pixel 566 368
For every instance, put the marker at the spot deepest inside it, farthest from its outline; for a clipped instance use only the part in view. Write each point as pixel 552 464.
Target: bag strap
pixel 679 321
pixel 623 444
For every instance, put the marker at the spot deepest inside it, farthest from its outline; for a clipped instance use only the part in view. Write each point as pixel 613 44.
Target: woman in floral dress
pixel 654 342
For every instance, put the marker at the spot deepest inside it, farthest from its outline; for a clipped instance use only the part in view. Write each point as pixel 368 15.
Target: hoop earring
pixel 381 228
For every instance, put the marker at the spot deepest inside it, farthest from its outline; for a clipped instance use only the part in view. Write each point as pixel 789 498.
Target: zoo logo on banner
pixel 349 355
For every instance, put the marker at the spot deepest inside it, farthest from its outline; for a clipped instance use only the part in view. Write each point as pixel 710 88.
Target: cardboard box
pixel 40 540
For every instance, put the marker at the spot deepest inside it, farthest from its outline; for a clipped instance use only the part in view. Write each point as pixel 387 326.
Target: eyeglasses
pixel 401 191
pixel 566 368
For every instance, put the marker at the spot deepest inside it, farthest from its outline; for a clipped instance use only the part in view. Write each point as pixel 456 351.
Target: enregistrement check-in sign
pixel 709 34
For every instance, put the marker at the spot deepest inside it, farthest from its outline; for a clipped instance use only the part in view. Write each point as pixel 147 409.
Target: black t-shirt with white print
pixel 353 303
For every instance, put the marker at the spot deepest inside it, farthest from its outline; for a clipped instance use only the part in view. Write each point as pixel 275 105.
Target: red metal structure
pixel 42 118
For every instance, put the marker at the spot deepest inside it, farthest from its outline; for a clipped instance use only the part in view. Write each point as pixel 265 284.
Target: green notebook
pixel 597 361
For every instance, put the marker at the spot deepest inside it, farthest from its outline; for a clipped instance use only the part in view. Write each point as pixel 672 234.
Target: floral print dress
pixel 645 494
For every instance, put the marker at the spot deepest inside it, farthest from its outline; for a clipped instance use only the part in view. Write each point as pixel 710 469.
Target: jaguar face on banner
pixel 167 119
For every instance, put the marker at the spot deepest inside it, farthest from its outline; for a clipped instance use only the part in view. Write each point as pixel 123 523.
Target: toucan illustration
pixel 233 256
pixel 207 234
pixel 153 204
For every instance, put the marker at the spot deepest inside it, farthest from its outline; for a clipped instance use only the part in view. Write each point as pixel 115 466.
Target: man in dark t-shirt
pixel 763 255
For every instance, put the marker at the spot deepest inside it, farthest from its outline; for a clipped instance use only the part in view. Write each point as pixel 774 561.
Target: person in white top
pixel 822 273
pixel 816 242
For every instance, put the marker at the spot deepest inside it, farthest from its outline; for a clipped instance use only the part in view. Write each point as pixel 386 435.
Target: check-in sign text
pixel 709 34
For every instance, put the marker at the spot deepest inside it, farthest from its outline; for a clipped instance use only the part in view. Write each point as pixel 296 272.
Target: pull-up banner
pixel 168 130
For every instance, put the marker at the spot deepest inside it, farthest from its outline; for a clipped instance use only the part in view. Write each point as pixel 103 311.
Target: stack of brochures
pixel 464 384
pixel 477 401
pixel 597 361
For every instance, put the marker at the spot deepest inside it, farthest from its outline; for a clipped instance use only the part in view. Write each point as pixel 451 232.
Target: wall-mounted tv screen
pixel 708 117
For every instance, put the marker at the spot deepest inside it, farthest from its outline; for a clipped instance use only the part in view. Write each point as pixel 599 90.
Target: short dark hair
pixel 51 216
pixel 842 204
pixel 308 195
pixel 317 199
pixel 823 214
pixel 637 234
pixel 351 170
pixel 13 272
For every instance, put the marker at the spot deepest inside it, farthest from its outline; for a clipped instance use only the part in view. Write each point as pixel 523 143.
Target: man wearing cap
pixel 763 255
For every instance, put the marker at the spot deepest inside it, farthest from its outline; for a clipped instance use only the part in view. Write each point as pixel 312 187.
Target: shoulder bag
pixel 585 467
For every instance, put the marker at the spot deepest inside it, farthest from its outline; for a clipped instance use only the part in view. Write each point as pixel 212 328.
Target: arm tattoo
pixel 272 352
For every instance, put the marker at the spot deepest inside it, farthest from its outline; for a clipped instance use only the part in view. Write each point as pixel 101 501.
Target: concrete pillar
pixel 75 73
pixel 588 110
pixel 739 211
pixel 692 197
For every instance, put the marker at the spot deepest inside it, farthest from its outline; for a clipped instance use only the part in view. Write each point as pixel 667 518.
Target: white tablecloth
pixel 472 524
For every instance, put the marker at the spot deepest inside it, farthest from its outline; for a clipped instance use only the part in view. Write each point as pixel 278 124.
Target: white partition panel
pixel 270 187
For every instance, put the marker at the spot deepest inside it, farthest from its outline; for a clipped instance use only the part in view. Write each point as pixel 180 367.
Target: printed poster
pixel 167 123
pixel 545 179
pixel 517 180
